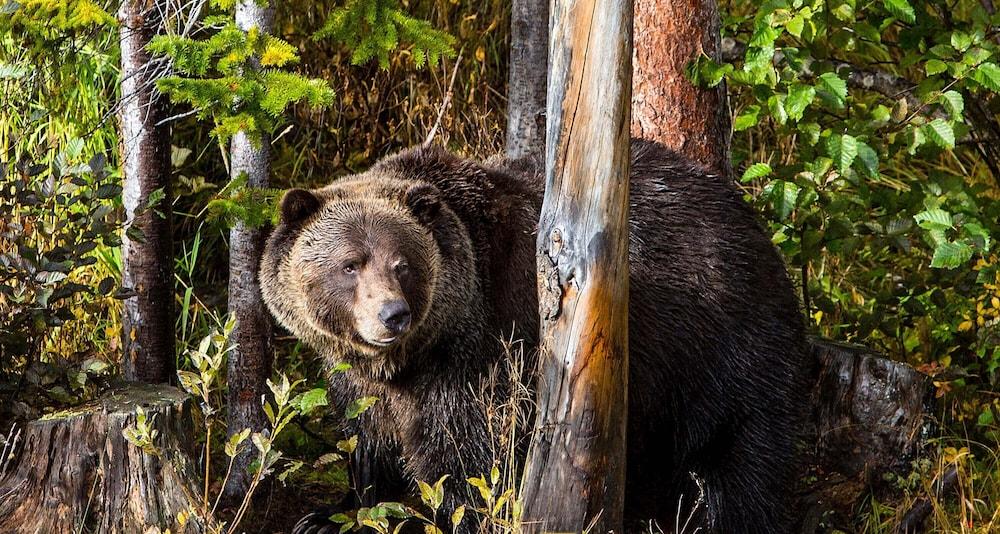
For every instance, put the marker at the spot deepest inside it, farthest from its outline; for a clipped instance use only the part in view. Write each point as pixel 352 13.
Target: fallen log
pixel 76 472
pixel 870 417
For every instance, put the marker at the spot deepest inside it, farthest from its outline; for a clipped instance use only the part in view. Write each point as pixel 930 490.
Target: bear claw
pixel 317 522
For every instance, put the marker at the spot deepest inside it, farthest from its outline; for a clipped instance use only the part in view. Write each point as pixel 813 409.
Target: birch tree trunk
pixel 250 362
pixel 666 106
pixel 148 316
pixel 529 54
pixel 575 475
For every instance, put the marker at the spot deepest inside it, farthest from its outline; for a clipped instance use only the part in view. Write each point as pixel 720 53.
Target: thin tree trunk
pixel 575 475
pixel 148 316
pixel 666 106
pixel 529 54
pixel 250 363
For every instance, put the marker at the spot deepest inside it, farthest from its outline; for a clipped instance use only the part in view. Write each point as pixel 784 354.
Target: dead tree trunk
pixel 666 106
pixel 529 54
pixel 147 257
pixel 250 362
pixel 575 474
pixel 870 416
pixel 76 472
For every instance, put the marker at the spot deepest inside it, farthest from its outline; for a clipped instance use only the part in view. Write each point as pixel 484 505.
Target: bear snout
pixel 395 316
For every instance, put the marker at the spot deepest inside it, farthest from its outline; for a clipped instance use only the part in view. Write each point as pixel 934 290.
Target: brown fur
pixel 717 375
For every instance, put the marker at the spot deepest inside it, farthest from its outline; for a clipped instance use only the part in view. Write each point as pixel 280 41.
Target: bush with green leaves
pixel 867 133
pixel 56 223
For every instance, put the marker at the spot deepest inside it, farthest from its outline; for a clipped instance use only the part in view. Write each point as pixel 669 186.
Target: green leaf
pixel 798 99
pixel 953 103
pixel 934 219
pixel 935 66
pixel 340 367
pixel 234 442
pixel 757 170
pixel 980 236
pixel 868 159
pixel 311 399
pixel 917 140
pixel 783 196
pixel 985 417
pixel 961 41
pixel 988 74
pixel 108 191
pixel 951 254
pixel 777 109
pixel 941 133
pixel 359 407
pixel 747 119
pixel 834 88
pixel 901 9
pixel 843 149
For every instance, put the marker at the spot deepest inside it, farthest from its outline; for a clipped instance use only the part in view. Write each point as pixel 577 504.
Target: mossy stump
pixel 76 472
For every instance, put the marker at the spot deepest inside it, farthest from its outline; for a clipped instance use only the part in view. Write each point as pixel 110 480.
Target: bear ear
pixel 424 201
pixel 297 204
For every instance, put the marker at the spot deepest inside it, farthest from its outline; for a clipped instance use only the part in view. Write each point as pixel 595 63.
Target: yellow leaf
pixel 480 54
pixel 457 515
pixel 965 326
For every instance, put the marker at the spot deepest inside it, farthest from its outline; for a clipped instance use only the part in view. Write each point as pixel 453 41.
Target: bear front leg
pixel 458 447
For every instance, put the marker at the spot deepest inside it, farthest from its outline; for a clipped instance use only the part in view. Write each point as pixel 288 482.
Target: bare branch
pixel 444 103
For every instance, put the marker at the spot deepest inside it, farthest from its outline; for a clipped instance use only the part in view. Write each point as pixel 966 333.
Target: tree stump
pixel 77 473
pixel 870 417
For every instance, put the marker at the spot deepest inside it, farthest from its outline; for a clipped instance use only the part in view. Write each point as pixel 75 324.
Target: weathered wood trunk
pixel 870 417
pixel 147 262
pixel 575 475
pixel 666 106
pixel 526 77
pixel 75 471
pixel 250 362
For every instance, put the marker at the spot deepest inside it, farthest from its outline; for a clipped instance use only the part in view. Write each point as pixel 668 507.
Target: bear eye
pixel 350 268
pixel 402 268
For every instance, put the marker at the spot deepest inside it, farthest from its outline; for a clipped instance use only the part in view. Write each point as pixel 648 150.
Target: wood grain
pixel 574 478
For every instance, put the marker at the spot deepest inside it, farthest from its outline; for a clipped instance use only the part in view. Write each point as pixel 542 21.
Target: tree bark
pixel 250 362
pixel 575 475
pixel 666 106
pixel 76 472
pixel 147 259
pixel 529 55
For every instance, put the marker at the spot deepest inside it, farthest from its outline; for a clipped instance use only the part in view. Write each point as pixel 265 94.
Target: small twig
pixel 225 479
pixel 444 103
pixel 208 463
pixel 86 510
pixel 8 448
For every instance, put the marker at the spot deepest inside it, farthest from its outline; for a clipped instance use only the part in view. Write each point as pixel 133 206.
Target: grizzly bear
pixel 414 270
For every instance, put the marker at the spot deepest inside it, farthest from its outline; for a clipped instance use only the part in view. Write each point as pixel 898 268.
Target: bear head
pixel 368 270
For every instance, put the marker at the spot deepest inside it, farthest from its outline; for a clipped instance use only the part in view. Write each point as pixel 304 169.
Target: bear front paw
pixel 317 522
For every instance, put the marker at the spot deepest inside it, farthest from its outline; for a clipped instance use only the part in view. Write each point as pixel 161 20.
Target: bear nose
pixel 395 315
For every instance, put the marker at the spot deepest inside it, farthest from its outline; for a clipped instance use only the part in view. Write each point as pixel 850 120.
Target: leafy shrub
pixel 55 224
pixel 866 136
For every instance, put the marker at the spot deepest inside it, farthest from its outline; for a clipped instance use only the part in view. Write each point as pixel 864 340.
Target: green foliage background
pixel 865 132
